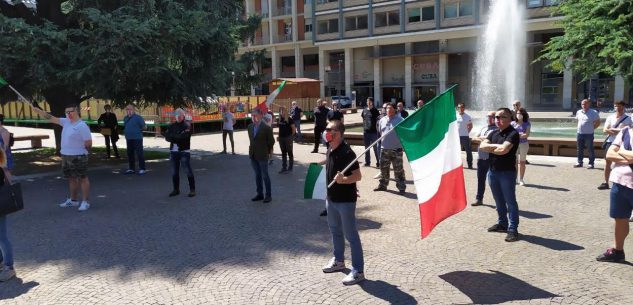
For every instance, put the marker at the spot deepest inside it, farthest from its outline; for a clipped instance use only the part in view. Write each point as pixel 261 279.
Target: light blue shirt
pixel 391 141
pixel 585 120
pixel 133 127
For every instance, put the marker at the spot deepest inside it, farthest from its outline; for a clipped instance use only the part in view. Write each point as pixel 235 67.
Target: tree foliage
pixel 143 51
pixel 598 37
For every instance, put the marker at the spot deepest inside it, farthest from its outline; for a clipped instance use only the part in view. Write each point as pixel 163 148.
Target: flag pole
pixel 364 152
pixel 20 95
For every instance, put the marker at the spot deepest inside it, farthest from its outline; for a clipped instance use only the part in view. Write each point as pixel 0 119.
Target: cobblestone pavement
pixel 137 246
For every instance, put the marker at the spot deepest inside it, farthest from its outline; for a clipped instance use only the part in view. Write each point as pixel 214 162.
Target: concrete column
pixel 349 74
pixel 322 72
pixel 274 62
pixel 443 71
pixel 618 93
pixel 271 24
pixel 408 80
pixel 298 61
pixel 377 76
pixel 438 11
pixel 295 30
pixel 567 87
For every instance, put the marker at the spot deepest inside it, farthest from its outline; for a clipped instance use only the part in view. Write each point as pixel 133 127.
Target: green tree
pixel 598 37
pixel 142 51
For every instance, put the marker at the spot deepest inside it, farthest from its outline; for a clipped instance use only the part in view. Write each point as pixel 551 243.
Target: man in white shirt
pixel 612 127
pixel 588 121
pixel 228 120
pixel 465 124
pixel 76 141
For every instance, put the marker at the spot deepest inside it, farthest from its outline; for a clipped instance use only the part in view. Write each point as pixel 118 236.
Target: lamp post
pixel 233 83
pixel 340 78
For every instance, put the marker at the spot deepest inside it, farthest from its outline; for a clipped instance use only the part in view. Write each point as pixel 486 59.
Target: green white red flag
pixel 430 139
pixel 264 106
pixel 315 186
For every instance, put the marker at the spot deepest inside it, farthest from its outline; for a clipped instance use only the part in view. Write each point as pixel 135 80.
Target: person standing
pixel 261 144
pixel 109 123
pixel 178 135
pixel 370 131
pixel 401 111
pixel 465 124
pixel 341 204
pixel 620 153
pixel 516 105
pixel 588 121
pixel 75 144
pixel 320 122
pixel 391 151
pixel 295 115
pixel 6 249
pixel 522 126
pixel 5 145
pixel 612 127
pixel 483 162
pixel 286 133
pixel 228 120
pixel 502 144
pixel 420 104
pixel 134 125
pixel 335 113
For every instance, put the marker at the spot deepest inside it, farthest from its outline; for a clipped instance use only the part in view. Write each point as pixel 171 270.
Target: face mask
pixel 327 137
pixel 520 117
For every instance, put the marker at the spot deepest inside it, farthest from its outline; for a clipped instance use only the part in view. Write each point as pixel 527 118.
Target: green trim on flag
pixel 3 82
pixel 314 171
pixel 424 129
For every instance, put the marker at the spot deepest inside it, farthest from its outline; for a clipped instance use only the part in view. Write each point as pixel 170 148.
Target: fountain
pixel 499 76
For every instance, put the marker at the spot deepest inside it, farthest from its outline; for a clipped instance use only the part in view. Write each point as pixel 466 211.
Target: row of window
pixel 382 19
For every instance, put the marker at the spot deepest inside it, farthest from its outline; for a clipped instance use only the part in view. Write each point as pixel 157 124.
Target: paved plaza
pixel 137 246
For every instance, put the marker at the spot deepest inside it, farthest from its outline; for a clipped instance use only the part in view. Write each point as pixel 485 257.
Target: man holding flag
pixel 341 204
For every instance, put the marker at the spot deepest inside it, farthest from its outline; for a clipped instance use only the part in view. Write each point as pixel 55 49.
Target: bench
pixel 36 140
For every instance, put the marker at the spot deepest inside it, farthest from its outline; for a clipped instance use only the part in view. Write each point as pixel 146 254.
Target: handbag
pixel 606 144
pixel 106 131
pixel 10 198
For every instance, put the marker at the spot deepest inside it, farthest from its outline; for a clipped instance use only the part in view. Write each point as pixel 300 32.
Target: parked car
pixel 343 101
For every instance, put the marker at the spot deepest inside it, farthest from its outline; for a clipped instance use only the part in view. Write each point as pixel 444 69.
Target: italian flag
pixel 430 139
pixel 315 186
pixel 269 100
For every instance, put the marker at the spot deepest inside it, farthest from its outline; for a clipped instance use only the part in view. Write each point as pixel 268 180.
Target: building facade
pixel 407 49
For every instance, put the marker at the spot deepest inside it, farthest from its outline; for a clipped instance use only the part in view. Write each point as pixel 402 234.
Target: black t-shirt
pixel 404 114
pixel 370 117
pixel 337 160
pixel 508 161
pixel 334 115
pixel 285 127
pixel 320 116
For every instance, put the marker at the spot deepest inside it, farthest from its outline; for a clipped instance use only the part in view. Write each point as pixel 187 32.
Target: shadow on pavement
pixel 549 188
pixel 367 224
pixel 533 215
pixel 553 244
pixel 542 164
pixel 493 288
pixel 15 288
pixel 387 292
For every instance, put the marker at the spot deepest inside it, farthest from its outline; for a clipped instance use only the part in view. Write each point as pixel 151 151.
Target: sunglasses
pixel 330 129
pixel 70 111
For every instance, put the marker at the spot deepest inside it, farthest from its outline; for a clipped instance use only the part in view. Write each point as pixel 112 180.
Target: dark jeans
pixel 482 172
pixel 465 143
pixel 135 147
pixel 230 133
pixel 285 144
pixel 261 173
pixel 298 135
pixel 503 188
pixel 368 139
pixel 108 140
pixel 317 136
pixel 585 140
pixel 178 158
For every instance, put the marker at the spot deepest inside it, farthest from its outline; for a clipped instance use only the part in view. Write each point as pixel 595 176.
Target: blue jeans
pixel 482 172
pixel 503 188
pixel 135 147
pixel 465 143
pixel 369 138
pixel 261 173
pixel 298 135
pixel 178 158
pixel 341 218
pixel 6 251
pixel 585 140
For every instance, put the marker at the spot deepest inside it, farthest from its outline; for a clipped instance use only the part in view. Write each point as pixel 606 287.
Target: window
pixel 458 9
pixel 325 1
pixel 414 14
pixel 552 2
pixel 328 26
pixel 356 23
pixel 534 3
pixel 428 13
pixel 387 18
pixel 308 28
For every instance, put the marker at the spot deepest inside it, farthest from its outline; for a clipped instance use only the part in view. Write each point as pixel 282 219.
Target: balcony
pixel 282 10
pixel 283 38
pixel 258 41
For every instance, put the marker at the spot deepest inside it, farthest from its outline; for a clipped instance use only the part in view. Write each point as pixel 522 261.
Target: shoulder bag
pixel 10 198
pixel 605 144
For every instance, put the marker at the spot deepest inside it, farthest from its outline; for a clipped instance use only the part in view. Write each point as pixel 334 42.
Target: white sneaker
pixel 69 203
pixel 377 176
pixel 521 182
pixel 354 277
pixel 142 172
pixel 84 206
pixel 6 274
pixel 333 266
pixel 631 219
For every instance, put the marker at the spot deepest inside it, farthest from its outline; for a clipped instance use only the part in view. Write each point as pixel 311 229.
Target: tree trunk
pixel 58 99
